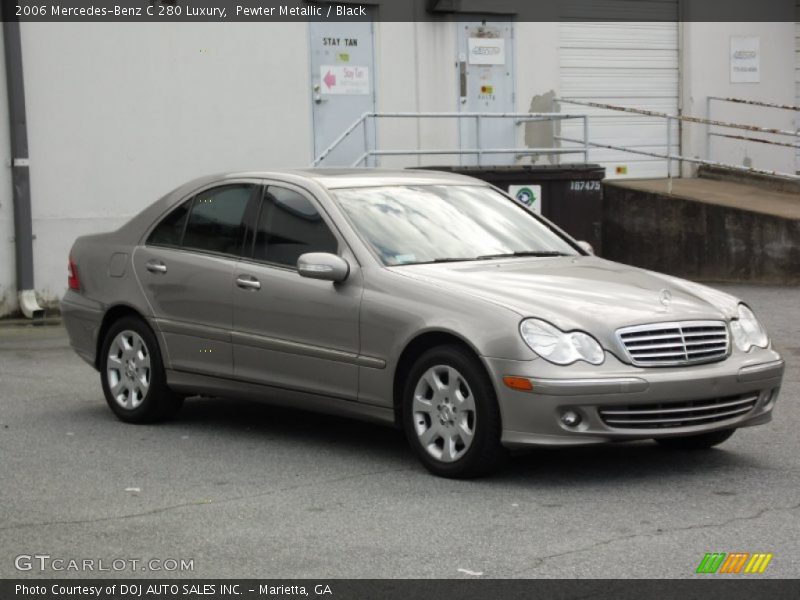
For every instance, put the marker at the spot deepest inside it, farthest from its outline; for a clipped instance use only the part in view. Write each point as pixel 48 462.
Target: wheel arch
pixel 111 316
pixel 415 347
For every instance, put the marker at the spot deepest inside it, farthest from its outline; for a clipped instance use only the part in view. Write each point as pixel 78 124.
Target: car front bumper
pixel 617 402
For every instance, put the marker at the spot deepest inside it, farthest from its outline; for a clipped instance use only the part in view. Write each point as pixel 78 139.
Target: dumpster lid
pixel 511 173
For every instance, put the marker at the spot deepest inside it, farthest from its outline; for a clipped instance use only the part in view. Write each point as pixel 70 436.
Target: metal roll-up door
pixel 631 62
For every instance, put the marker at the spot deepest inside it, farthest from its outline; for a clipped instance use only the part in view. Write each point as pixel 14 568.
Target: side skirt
pixel 204 385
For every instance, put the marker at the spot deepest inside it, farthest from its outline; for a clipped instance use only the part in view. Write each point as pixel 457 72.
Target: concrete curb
pixel 50 321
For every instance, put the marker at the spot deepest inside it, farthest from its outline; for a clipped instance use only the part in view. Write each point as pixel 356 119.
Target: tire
pixel 701 441
pixel 134 384
pixel 456 432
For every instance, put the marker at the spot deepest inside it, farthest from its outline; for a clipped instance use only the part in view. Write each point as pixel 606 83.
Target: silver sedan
pixel 429 301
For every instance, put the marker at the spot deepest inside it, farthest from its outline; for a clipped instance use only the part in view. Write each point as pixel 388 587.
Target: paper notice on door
pixel 344 79
pixel 486 51
pixel 745 59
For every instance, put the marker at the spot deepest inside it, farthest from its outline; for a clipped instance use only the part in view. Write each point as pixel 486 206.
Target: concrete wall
pixel 706 72
pixel 119 114
pixel 698 240
pixel 537 78
pixel 415 64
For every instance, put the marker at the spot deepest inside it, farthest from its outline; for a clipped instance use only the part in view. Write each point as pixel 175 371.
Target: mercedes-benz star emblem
pixel 665 297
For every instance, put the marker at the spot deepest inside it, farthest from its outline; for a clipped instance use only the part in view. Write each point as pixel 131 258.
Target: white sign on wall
pixel 344 79
pixel 529 196
pixel 486 51
pixel 745 59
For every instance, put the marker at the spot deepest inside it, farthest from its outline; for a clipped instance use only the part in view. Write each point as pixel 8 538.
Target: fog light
pixel 571 419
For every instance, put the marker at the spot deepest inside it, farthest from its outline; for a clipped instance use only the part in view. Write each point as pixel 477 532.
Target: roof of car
pixel 332 178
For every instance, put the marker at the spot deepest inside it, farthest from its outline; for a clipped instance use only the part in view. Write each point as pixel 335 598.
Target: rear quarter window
pixel 170 230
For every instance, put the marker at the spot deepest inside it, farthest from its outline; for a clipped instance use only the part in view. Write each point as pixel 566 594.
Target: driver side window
pixel 290 225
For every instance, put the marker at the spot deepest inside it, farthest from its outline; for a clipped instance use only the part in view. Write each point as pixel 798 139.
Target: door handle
pixel 248 283
pixel 317 93
pixel 462 80
pixel 156 266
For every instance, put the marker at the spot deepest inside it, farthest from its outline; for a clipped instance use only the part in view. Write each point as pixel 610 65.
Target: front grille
pixel 671 344
pixel 677 414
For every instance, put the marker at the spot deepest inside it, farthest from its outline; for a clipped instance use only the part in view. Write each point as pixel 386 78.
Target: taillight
pixel 72 276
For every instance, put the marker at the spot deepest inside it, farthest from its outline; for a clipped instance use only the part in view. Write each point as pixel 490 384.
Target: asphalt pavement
pixel 247 490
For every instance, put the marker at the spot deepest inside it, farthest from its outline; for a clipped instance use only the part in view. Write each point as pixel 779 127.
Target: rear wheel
pixel 701 441
pixel 132 374
pixel 450 414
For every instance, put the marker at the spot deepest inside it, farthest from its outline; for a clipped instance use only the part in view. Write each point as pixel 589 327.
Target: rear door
pixel 186 271
pixel 290 331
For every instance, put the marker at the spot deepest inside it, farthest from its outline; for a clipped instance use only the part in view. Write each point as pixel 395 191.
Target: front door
pixel 290 331
pixel 342 87
pixel 486 85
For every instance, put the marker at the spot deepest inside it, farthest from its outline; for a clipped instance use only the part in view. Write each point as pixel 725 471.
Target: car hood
pixel 582 292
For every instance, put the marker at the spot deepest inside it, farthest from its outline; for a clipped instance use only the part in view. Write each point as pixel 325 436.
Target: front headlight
pixel 559 347
pixel 748 331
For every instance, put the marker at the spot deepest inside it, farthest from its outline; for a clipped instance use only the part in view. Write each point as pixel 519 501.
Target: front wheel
pixel 701 441
pixel 450 414
pixel 132 374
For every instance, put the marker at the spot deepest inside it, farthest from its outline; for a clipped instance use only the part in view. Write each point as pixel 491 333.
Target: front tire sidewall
pixel 485 454
pixel 158 402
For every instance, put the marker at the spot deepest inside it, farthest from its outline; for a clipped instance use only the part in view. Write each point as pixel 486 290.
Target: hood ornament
pixel 665 297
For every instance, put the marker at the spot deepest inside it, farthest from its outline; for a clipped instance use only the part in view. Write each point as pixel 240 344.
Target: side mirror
pixel 586 247
pixel 322 265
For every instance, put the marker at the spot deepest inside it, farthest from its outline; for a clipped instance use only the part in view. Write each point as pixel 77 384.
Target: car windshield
pixel 413 224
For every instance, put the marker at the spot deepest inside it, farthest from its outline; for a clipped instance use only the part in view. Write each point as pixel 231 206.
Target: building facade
pixel 119 114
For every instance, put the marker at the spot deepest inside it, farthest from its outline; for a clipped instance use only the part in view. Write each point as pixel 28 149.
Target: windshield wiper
pixel 443 260
pixel 540 253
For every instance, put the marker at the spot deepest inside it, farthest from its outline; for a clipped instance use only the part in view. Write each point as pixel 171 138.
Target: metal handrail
pixel 340 139
pixel 583 145
pixel 684 118
pixel 669 157
pixel 775 105
pixel 689 159
pixel 756 103
pixel 747 138
pixel 519 118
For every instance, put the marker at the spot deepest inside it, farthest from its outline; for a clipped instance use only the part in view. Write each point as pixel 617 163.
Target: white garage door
pixel 629 64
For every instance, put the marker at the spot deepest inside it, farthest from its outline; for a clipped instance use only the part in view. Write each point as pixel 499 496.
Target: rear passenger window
pixel 170 230
pixel 215 223
pixel 290 225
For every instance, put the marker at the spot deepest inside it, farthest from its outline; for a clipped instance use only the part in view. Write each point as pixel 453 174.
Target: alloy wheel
pixel 128 369
pixel 443 410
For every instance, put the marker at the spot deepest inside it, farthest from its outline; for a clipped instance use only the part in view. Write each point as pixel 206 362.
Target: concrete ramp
pixel 723 229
